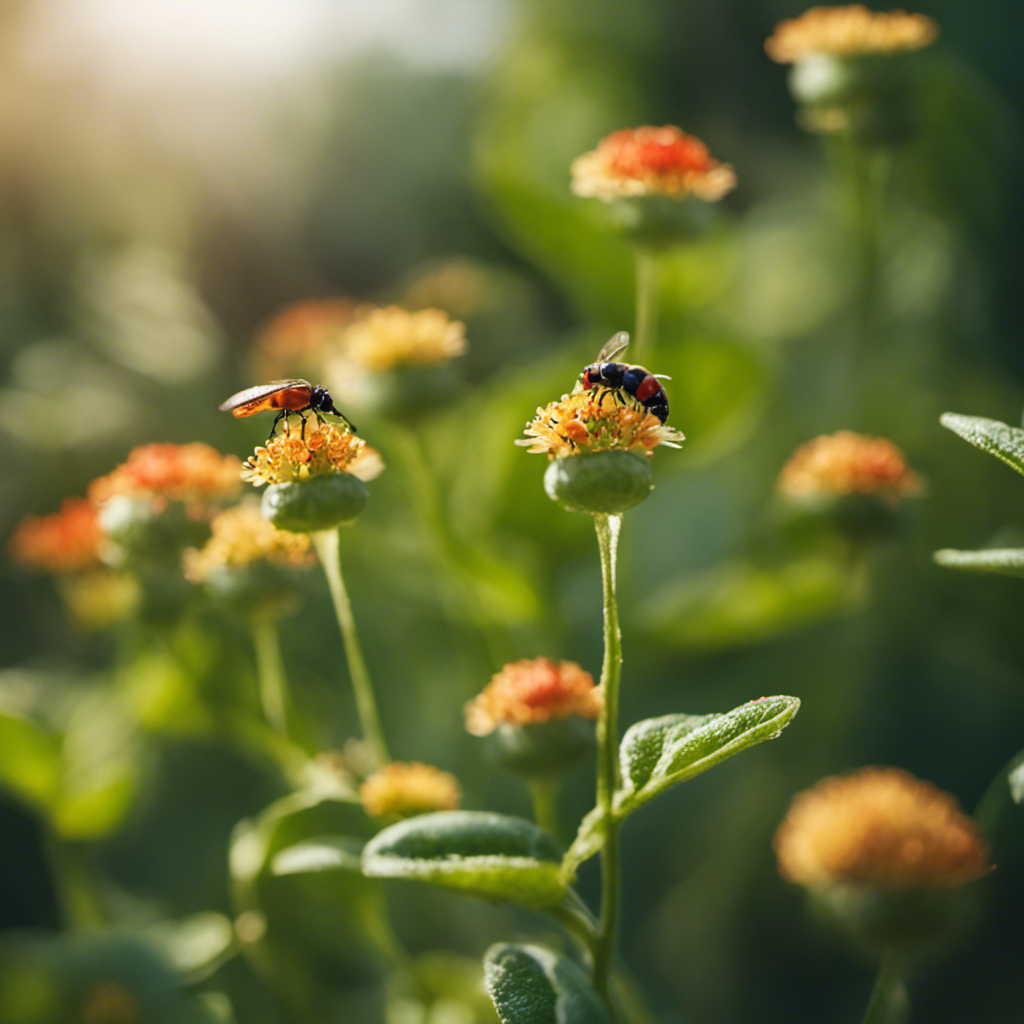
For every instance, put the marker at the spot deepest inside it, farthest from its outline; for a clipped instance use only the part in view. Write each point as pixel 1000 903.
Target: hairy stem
pixel 544 794
pixel 889 1003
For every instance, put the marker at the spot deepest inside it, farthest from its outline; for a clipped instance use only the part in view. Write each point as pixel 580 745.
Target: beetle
pixel 635 381
pixel 295 395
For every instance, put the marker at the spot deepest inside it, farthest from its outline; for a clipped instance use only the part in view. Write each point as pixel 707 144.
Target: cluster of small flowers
pixel 405 788
pixel 299 453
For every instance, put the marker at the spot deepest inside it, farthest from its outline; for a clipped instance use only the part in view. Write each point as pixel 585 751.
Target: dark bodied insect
pixel 616 378
pixel 286 396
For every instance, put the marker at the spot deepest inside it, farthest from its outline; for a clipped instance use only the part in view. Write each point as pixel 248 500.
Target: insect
pixel 286 396
pixel 635 381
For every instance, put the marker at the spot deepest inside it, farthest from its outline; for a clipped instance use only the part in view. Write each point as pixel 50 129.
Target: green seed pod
pixel 319 503
pixel 255 589
pixel 139 532
pixel 599 483
pixel 542 748
pixel 405 393
pixel 660 222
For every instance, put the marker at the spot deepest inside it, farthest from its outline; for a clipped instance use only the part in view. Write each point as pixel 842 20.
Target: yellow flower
pixel 298 336
pixel 408 788
pixel 240 536
pixel 101 597
pixel 881 827
pixel 851 31
pixel 65 542
pixel 847 463
pixel 324 449
pixel 383 339
pixel 596 420
pixel 651 161
pixel 533 690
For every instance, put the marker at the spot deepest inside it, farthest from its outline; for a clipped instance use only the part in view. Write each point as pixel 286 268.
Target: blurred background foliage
pixel 172 175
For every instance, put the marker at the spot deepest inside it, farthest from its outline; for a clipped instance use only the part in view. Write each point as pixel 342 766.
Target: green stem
pixel 544 794
pixel 328 551
pixel 270 676
pixel 77 900
pixel 647 282
pixel 607 528
pixel 889 1003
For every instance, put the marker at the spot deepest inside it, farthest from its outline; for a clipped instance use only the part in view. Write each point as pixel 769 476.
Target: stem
pixel 607 528
pixel 270 677
pixel 328 551
pixel 889 1003
pixel 544 794
pixel 647 281
pixel 77 900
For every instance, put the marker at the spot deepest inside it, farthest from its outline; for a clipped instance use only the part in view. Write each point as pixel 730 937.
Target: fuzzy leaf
pixel 1006 561
pixel 322 853
pixel 490 855
pixel 532 985
pixel 1004 442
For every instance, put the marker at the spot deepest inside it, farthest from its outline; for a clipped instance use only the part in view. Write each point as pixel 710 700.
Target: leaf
pixel 1006 561
pixel 490 855
pixel 1006 443
pixel 194 946
pixel 324 853
pixel 29 760
pixel 532 985
pixel 1015 778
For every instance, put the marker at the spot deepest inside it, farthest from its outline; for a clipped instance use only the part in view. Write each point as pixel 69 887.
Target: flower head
pixel 850 31
pixel 65 542
pixel 299 335
pixel 390 337
pixel 408 788
pixel 881 827
pixel 846 463
pixel 194 474
pixel 241 536
pixel 597 420
pixel 651 161
pixel 100 597
pixel 533 690
pixel 297 453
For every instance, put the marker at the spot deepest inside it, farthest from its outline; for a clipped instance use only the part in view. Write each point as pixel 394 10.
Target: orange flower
pixel 408 788
pixel 847 463
pixel 651 161
pixel 194 474
pixel 65 542
pixel 300 334
pixel 880 826
pixel 289 455
pixel 851 31
pixel 530 691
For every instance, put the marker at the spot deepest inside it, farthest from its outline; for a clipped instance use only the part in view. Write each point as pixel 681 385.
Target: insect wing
pixel 253 399
pixel 612 347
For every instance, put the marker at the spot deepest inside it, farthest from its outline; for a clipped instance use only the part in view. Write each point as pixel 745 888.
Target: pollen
pixel 880 826
pixel 299 336
pixel 847 463
pixel 596 420
pixel 407 788
pixel 62 543
pixel 289 455
pixel 850 31
pixel 651 160
pixel 389 337
pixel 533 690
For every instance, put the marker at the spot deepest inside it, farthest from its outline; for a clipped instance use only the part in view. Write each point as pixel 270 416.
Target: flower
pixel 303 452
pixel 534 690
pixel 100 597
pixel 386 338
pixel 846 463
pixel 651 161
pixel 407 788
pixel 850 31
pixel 64 542
pixel 240 536
pixel 299 335
pixel 194 474
pixel 596 420
pixel 881 827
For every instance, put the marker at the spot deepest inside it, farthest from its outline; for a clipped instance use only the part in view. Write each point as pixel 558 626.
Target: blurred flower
pixel 845 464
pixel 109 1002
pixel 881 827
pixel 597 420
pixel 390 337
pixel 460 287
pixel 324 449
pixel 849 32
pixel 240 536
pixel 534 690
pixel 64 542
pixel 651 161
pixel 100 597
pixel 408 788
pixel 297 337
pixel 194 474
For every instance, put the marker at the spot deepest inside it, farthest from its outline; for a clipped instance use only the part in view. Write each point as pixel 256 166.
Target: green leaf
pixel 1004 442
pixel 532 985
pixel 1006 561
pixel 490 855
pixel 194 946
pixel 323 853
pixel 29 760
pixel 1016 780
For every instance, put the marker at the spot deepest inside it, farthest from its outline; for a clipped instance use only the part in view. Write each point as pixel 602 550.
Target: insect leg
pixel 277 419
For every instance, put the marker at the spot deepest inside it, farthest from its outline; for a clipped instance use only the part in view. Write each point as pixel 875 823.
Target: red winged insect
pixel 637 382
pixel 286 396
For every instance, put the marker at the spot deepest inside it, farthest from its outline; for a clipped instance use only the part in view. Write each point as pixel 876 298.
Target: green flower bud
pixel 139 529
pixel 404 393
pixel 599 483
pixel 258 588
pixel 319 503
pixel 659 222
pixel 541 748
